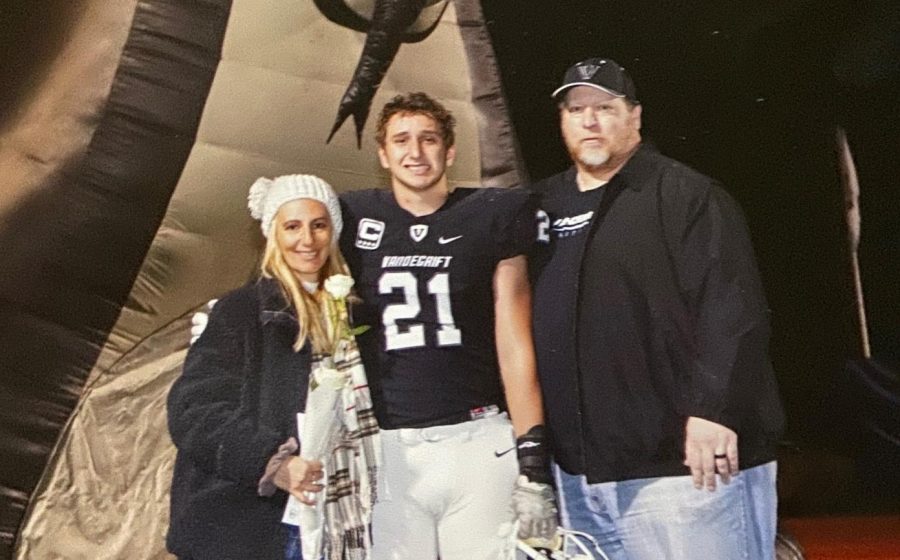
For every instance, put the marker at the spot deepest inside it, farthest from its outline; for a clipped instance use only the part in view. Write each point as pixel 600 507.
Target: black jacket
pixel 665 318
pixel 233 405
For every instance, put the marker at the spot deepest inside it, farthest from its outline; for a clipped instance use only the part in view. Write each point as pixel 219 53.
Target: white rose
pixel 339 285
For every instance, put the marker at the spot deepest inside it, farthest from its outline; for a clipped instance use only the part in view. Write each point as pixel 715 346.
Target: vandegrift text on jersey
pixel 423 261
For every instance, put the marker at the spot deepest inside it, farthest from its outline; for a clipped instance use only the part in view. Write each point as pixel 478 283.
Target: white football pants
pixel 445 491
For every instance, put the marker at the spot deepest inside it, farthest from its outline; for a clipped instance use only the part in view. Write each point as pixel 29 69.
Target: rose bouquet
pixel 337 394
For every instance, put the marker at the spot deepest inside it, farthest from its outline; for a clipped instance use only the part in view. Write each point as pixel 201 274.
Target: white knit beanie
pixel 267 195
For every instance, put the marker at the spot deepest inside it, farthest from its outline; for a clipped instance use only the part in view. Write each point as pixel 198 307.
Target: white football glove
pixel 534 505
pixel 199 320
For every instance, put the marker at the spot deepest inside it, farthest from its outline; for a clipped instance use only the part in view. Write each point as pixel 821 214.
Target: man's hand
pixel 300 478
pixel 709 448
pixel 199 320
pixel 534 505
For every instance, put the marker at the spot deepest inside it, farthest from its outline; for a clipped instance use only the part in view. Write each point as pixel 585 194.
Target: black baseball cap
pixel 601 73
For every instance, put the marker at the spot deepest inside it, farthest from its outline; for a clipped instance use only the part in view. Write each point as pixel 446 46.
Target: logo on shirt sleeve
pixel 369 233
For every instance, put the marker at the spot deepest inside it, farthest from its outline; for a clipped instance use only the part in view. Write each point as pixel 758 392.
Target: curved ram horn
pixel 389 20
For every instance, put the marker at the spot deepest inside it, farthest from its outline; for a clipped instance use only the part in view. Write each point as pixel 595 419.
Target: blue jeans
pixel 292 549
pixel 667 518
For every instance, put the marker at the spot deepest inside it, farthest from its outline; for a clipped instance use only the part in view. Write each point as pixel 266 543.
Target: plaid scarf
pixel 352 465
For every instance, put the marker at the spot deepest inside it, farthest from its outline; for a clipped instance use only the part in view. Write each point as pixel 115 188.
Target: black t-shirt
pixel 567 216
pixel 427 288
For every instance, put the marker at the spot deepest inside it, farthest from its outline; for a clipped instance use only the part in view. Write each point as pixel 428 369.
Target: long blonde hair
pixel 310 315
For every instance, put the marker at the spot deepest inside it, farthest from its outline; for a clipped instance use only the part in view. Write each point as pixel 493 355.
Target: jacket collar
pixel 640 168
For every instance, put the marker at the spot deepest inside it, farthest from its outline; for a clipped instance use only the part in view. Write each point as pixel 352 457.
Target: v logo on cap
pixel 587 71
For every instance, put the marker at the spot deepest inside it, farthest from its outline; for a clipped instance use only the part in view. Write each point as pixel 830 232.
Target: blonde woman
pixel 233 412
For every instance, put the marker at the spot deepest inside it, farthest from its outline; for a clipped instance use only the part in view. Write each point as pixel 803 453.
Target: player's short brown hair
pixel 416 103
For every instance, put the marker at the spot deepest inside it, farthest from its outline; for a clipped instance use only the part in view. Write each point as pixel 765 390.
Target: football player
pixel 442 275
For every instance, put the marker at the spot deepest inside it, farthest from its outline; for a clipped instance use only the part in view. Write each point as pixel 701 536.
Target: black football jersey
pixel 426 285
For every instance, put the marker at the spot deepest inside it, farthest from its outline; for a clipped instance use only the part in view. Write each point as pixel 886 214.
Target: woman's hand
pixel 300 478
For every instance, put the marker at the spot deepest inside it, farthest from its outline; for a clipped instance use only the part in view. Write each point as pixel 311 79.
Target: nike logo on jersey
pixel 444 240
pixel 504 452
pixel 572 225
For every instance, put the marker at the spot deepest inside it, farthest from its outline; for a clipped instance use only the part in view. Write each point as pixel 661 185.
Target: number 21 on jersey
pixel 414 334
